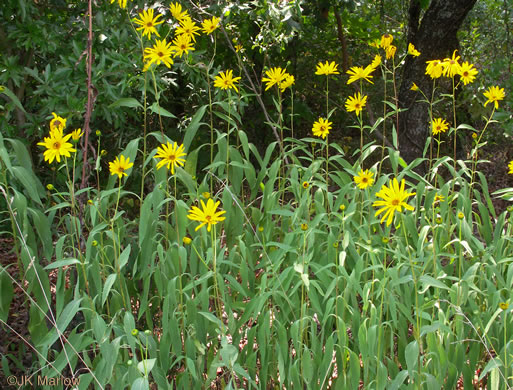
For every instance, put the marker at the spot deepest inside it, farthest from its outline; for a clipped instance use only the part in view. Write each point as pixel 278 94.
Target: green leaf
pixel 108 285
pixel 493 364
pixel 7 92
pixel 141 384
pixel 190 131
pixel 62 263
pixel 411 355
pixel 123 258
pixel 6 294
pixel 155 108
pixel 146 366
pixel 398 381
pixel 126 102
pixel 27 179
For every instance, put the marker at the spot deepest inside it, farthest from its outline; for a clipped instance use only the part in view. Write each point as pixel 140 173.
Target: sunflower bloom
pixel 510 166
pixel 467 73
pixel 364 179
pixel 287 82
pixel 122 3
pixel 356 103
pixel 321 128
pixel 207 215
pixel 386 40
pixel 274 76
pixel 176 11
pixel 376 61
pixel 412 51
pixel 182 45
pixel 327 68
pixel 394 197
pixel 210 25
pixel 159 53
pixel 76 134
pixel 188 27
pixel 57 123
pixel 119 166
pixel 494 94
pixel 438 199
pixel 434 68
pixel 225 80
pixel 451 65
pixel 56 146
pixel 390 51
pixel 359 72
pixel 438 126
pixel 147 23
pixel 172 155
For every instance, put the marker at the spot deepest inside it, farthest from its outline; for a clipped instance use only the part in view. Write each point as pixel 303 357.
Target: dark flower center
pixel 395 202
pixel 57 145
pixel 160 54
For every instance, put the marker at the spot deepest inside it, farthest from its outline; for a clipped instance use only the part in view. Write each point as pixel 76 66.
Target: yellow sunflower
pixel 57 123
pixel 210 25
pixel 439 125
pixel 327 68
pixel 364 179
pixel 394 197
pixel 274 76
pixel 386 40
pixel 356 103
pixel 188 27
pixel 494 94
pixel 451 65
pixel 57 146
pixel 159 53
pixel 434 68
pixel 172 155
pixel 176 11
pixel 467 73
pixel 412 51
pixel 147 23
pixel 119 166
pixel 182 45
pixel 287 82
pixel 225 80
pixel 207 215
pixel 321 128
pixel 359 72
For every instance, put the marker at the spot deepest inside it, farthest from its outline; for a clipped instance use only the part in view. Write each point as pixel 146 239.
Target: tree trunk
pixel 435 37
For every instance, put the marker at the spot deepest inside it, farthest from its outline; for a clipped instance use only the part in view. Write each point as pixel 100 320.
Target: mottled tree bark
pixel 435 37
